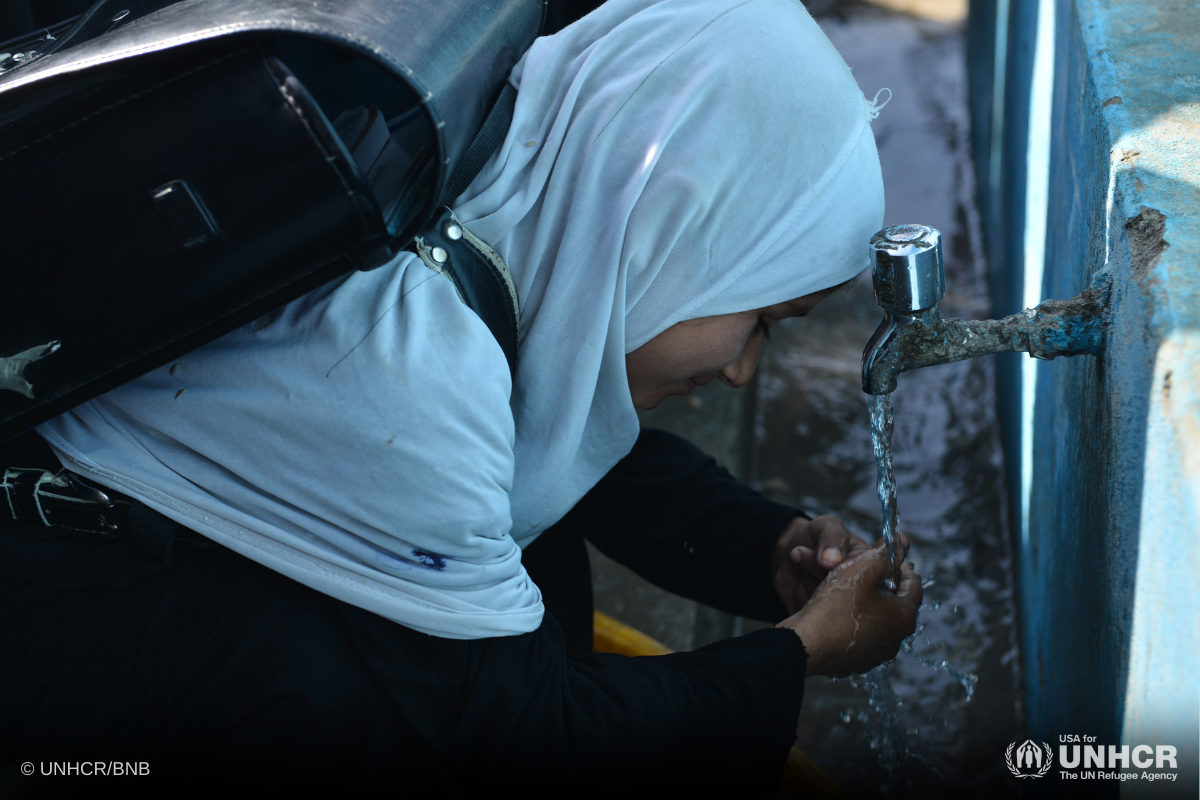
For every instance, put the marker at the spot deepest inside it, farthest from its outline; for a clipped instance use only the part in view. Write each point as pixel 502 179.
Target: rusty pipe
pixel 909 281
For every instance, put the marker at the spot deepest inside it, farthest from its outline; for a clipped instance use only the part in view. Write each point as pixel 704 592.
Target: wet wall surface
pixel 801 435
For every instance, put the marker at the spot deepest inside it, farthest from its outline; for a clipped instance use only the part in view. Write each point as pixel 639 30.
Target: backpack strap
pixel 479 275
pixel 477 271
pixel 486 142
pixel 38 498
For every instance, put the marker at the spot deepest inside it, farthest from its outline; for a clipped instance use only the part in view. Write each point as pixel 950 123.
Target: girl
pixel 401 580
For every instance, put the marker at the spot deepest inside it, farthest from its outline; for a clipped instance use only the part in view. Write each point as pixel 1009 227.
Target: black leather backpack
pixel 170 170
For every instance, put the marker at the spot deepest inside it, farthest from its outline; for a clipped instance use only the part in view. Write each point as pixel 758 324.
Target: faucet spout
pixel 909 338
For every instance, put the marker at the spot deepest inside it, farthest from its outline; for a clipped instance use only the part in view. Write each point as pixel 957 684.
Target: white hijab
pixel 666 161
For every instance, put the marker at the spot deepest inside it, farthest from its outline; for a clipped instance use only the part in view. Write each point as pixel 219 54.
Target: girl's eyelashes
pixel 765 328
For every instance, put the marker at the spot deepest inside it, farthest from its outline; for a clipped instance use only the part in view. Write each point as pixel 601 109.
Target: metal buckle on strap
pixel 62 500
pixel 34 496
pixel 480 276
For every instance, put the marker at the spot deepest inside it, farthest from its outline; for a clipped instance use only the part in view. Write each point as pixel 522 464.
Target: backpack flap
pixel 179 170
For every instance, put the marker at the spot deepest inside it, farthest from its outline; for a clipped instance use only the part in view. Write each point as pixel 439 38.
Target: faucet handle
pixel 906 264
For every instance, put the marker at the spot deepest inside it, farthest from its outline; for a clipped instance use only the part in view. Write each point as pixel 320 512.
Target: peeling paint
pixel 1146 242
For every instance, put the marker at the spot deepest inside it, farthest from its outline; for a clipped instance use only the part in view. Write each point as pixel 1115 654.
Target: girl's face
pixel 696 351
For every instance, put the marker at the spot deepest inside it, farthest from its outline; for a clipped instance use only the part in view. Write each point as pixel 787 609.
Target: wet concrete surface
pixel 801 435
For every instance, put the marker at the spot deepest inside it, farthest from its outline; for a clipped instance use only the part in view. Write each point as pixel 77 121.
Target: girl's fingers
pixel 832 556
pixel 910 584
pixel 901 542
pixel 834 543
pixel 805 566
pixel 874 565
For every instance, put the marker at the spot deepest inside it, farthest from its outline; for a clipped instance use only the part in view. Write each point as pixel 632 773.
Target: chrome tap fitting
pixel 910 281
pixel 907 268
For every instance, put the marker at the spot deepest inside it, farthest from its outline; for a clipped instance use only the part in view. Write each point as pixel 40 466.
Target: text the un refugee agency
pixel 1081 757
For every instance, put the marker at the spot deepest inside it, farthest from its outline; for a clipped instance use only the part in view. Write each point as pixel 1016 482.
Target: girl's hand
pixel 806 552
pixel 853 622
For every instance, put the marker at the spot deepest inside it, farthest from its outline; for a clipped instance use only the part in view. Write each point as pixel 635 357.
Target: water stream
pixel 885 730
pixel 882 426
pixel 884 722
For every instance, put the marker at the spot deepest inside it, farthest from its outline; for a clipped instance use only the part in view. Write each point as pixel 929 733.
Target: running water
pixel 966 680
pixel 885 727
pixel 882 426
pixel 885 730
pixel 881 441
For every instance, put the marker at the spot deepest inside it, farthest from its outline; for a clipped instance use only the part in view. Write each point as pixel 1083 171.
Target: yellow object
pixel 610 636
pixel 802 777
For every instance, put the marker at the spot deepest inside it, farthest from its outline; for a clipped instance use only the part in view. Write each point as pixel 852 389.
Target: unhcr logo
pixel 1031 762
pixel 1083 759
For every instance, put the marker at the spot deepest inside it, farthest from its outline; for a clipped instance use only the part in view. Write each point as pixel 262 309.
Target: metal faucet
pixel 910 281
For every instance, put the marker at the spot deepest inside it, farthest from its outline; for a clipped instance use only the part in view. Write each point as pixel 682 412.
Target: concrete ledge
pixel 1146 72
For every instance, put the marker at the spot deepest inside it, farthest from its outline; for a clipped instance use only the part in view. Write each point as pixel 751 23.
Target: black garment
pixel 561 13
pixel 681 522
pixel 214 659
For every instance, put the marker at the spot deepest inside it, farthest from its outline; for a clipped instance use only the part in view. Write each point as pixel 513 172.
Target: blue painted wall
pixel 1110 574
pixel 1078 566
